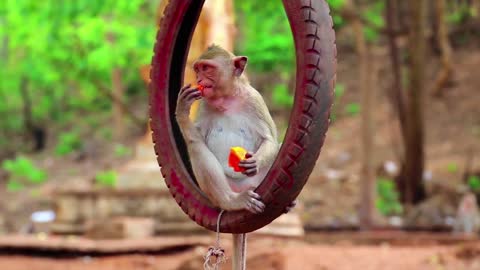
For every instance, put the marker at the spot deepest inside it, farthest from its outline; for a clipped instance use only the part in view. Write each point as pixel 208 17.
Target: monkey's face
pixel 214 75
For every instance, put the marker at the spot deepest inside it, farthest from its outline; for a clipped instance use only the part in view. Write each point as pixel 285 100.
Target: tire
pixel 315 48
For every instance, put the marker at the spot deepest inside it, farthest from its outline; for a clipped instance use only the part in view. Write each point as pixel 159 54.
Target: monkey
pixel 231 113
pixel 468 215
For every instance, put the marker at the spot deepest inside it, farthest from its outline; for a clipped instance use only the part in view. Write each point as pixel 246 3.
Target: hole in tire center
pixel 273 78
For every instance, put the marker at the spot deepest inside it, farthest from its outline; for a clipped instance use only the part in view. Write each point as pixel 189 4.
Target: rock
pixel 138 174
pixel 427 176
pixel 395 221
pixel 121 228
pixel 431 213
pixel 66 209
pixel 143 171
pixel 41 221
pixel 288 224
pixel 75 208
pixel 448 187
pixel 59 227
pixel 391 168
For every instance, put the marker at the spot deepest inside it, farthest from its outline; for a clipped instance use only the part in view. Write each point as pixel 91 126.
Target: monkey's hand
pixel 249 165
pixel 186 97
pixel 249 200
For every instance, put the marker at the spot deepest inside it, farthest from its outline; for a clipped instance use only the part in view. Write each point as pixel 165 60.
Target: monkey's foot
pixel 250 201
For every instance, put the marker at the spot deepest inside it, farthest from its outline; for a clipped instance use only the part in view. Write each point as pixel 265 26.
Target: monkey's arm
pixel 186 97
pixel 265 127
pixel 266 153
pixel 206 168
pixel 268 148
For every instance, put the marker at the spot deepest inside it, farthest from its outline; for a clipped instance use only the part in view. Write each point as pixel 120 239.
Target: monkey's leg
pixel 213 181
pixel 239 258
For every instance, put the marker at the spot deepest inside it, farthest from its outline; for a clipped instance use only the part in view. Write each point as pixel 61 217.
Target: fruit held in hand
pixel 236 155
pixel 200 88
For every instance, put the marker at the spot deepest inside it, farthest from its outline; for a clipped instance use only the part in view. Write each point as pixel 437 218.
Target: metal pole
pixel 239 259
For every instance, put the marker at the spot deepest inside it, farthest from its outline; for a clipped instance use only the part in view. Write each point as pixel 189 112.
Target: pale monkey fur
pixel 237 116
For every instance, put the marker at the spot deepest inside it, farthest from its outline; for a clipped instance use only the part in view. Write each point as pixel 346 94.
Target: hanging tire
pixel 314 38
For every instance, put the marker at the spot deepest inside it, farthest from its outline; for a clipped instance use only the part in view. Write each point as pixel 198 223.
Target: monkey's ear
pixel 239 63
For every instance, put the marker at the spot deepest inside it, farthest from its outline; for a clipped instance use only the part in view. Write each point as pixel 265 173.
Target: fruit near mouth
pixel 200 88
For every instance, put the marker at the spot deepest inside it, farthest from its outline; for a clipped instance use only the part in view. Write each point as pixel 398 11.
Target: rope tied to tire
pixel 215 254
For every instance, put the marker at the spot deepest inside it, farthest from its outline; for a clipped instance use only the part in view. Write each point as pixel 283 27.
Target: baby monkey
pixel 232 113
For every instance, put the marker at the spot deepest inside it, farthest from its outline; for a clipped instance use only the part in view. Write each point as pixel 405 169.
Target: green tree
pixel 63 54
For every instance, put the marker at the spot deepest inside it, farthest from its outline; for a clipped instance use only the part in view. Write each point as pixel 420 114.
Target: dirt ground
pixel 277 254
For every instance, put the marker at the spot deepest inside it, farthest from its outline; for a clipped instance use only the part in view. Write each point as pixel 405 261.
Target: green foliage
pixel 353 109
pixel 387 201
pixel 106 178
pixel 68 142
pixel 122 151
pixel 22 172
pixel 374 17
pixel 106 133
pixel 64 51
pixel 281 96
pixel 14 186
pixel 452 167
pixel 335 6
pixel 474 183
pixel 265 36
pixel 339 93
pixel 462 13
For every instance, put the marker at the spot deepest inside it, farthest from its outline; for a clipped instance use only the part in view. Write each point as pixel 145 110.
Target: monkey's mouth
pixel 207 86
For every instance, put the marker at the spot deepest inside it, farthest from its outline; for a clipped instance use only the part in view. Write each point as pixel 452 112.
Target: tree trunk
pixel 476 8
pixel 367 86
pixel 396 93
pixel 118 91
pixel 446 72
pixel 36 134
pixel 215 26
pixel 413 170
pixel 210 29
pixel 27 105
pixel 118 112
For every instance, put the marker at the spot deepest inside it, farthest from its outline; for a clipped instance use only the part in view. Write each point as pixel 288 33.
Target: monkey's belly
pixel 222 137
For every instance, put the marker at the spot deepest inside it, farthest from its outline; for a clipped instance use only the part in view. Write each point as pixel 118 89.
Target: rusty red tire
pixel 314 38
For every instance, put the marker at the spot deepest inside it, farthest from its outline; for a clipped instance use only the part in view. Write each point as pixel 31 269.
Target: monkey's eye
pixel 205 68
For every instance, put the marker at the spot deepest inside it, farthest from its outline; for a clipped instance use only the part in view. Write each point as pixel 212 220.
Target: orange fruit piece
pixel 237 154
pixel 200 88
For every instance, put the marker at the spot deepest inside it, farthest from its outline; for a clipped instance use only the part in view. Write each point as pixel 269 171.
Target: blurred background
pixel 399 171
